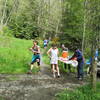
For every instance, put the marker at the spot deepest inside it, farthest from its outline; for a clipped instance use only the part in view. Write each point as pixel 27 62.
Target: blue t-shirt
pixel 45 41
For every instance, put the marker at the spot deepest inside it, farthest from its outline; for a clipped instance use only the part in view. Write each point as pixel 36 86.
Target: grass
pixel 1 98
pixel 81 93
pixel 45 57
pixel 14 55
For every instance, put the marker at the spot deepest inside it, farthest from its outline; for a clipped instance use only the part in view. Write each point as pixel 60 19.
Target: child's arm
pixel 58 52
pixel 30 49
pixel 48 53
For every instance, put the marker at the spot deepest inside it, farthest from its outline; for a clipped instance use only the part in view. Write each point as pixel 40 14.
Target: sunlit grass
pixel 14 55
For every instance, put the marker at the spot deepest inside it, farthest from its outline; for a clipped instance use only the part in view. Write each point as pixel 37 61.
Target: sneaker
pixel 58 76
pixel 30 72
pixel 77 77
pixel 80 79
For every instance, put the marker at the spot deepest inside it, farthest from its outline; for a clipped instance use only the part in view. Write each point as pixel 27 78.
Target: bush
pixel 7 31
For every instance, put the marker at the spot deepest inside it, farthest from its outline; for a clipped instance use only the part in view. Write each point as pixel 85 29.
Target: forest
pixel 74 23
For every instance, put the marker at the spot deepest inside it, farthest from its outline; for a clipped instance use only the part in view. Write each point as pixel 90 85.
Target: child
pixel 65 55
pixel 36 55
pixel 53 54
pixel 45 43
pixel 64 51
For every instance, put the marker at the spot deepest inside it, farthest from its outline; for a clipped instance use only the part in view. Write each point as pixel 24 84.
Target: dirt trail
pixel 41 86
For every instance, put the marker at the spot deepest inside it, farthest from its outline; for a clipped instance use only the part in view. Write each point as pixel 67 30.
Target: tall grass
pixel 45 57
pixel 14 55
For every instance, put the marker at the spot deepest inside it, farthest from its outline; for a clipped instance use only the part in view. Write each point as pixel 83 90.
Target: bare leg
pixel 53 70
pixel 30 71
pixel 38 63
pixel 31 67
pixel 57 68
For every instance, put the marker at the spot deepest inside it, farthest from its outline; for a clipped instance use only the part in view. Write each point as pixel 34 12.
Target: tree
pixel 93 26
pixel 72 23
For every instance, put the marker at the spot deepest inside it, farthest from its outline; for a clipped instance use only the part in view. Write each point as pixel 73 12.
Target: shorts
pixel 45 45
pixel 35 58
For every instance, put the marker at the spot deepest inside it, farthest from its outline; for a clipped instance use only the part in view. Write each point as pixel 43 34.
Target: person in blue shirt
pixel 98 54
pixel 89 62
pixel 78 55
pixel 45 43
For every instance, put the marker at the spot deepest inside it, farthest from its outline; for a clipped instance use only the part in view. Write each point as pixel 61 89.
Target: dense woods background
pixel 69 20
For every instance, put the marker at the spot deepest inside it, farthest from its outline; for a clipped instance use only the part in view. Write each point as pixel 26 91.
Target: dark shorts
pixel 45 45
pixel 35 58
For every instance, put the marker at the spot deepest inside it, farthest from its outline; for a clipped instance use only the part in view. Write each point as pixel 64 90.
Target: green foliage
pixel 1 98
pixel 30 18
pixel 72 24
pixel 81 93
pixel 87 52
pixel 7 31
pixel 45 57
pixel 40 18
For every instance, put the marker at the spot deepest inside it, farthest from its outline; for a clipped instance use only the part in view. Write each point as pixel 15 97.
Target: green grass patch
pixel 2 98
pixel 81 93
pixel 45 57
pixel 15 55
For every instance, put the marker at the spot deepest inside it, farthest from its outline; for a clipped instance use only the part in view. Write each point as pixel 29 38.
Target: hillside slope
pixel 14 55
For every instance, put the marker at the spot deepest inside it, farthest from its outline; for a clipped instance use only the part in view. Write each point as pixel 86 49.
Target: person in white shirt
pixel 53 54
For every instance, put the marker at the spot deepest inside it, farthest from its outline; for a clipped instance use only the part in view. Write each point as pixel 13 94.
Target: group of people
pixel 53 54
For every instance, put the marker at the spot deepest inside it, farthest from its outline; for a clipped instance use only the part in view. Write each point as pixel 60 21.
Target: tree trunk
pixel 94 67
pixel 84 25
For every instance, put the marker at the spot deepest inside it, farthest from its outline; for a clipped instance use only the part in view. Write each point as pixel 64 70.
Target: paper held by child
pixel 74 63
